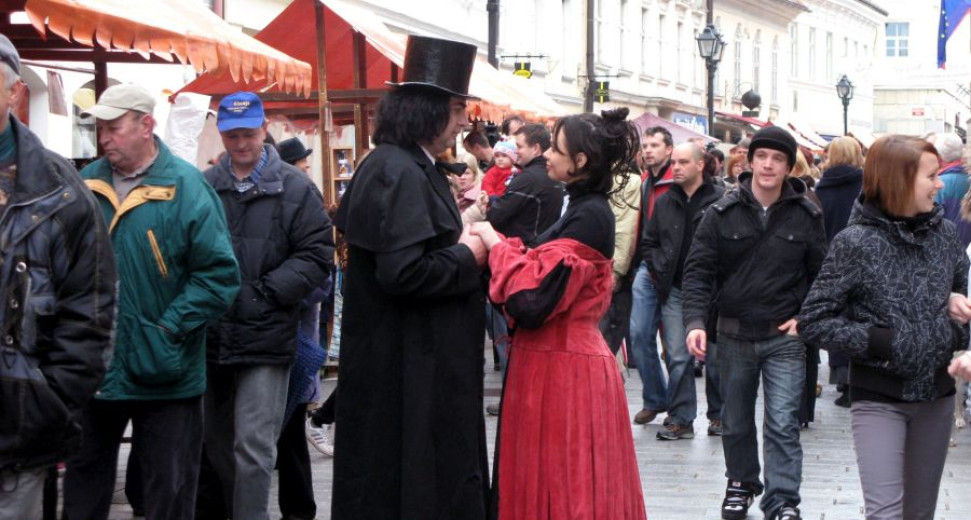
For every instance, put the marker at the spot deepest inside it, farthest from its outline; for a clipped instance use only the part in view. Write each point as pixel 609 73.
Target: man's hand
pixel 487 233
pixel 790 328
pixel 475 244
pixel 482 201
pixel 959 308
pixel 697 342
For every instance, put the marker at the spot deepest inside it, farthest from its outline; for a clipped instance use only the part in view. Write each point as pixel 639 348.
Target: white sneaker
pixel 322 439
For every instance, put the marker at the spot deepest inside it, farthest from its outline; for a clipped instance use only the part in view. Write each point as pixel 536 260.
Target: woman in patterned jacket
pixel 890 296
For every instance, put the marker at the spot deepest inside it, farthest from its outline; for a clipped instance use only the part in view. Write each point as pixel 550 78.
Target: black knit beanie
pixel 776 138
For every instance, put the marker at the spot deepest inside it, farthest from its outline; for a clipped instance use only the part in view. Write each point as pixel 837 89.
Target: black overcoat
pixel 411 437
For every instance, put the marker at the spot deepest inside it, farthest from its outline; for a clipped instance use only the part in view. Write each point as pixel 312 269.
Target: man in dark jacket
pixel 666 244
pixel 411 441
pixel 176 273
pixel 754 256
pixel 57 275
pixel 532 201
pixel 284 245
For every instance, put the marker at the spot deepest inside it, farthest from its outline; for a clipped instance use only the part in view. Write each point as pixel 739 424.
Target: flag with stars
pixel 952 12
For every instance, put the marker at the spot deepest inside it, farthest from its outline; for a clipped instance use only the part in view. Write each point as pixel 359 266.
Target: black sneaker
pixel 738 498
pixel 843 401
pixel 787 512
pixel 699 368
pixel 715 428
pixel 673 432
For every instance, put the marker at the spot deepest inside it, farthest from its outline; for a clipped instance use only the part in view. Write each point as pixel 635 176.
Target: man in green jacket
pixel 177 273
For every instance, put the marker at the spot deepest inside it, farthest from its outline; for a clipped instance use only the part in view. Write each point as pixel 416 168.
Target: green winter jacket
pixel 176 271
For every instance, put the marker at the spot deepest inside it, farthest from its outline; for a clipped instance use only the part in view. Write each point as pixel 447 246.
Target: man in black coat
pixel 411 442
pixel 284 244
pixel 666 243
pixel 532 201
pixel 754 256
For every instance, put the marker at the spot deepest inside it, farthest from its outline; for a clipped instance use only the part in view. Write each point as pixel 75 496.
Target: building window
pixel 898 34
pixel 680 52
pixel 623 34
pixel 756 60
pixel 737 85
pixel 601 39
pixel 829 56
pixel 644 53
pixel 568 40
pixel 846 47
pixel 775 69
pixel 794 50
pixel 812 53
pixel 660 45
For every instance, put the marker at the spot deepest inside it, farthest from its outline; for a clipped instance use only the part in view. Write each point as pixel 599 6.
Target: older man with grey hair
pixel 57 300
pixel 954 175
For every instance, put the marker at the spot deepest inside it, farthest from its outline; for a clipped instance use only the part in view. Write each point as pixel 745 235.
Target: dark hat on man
pixel 775 138
pixel 292 150
pixel 443 65
pixel 9 54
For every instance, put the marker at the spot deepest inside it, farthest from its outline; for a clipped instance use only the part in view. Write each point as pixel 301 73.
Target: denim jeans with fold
pixel 682 397
pixel 645 315
pixel 781 363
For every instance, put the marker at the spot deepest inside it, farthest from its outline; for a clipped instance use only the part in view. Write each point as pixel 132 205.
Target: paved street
pixel 683 480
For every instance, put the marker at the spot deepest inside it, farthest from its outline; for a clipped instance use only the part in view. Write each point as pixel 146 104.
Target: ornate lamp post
pixel 711 46
pixel 844 89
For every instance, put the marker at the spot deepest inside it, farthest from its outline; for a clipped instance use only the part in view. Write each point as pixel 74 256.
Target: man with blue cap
pixel 284 244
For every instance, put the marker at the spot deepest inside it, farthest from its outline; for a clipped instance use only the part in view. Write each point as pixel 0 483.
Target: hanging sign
pixel 523 69
pixel 601 91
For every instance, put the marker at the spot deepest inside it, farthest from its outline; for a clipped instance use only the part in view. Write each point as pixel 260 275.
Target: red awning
pixel 743 119
pixel 294 33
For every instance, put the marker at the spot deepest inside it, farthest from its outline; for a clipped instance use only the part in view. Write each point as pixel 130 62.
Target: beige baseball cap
pixel 117 100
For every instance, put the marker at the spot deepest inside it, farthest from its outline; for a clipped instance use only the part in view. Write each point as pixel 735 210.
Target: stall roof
pixel 183 29
pixel 294 32
pixel 679 133
pixel 755 122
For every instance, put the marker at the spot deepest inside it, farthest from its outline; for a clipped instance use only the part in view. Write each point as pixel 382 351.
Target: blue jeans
pixel 644 317
pixel 21 493
pixel 781 361
pixel 682 397
pixel 244 407
pixel 713 381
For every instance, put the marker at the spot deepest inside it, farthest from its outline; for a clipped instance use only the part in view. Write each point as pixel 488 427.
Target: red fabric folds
pixel 565 447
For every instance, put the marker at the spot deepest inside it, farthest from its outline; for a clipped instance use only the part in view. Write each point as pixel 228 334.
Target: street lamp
pixel 711 46
pixel 844 89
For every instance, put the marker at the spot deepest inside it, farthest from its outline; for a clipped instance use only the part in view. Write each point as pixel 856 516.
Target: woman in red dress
pixel 565 448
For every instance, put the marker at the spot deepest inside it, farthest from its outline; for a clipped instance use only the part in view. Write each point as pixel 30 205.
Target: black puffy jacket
pixel 531 204
pixel 665 234
pixel 881 298
pixel 284 245
pixel 768 290
pixel 57 307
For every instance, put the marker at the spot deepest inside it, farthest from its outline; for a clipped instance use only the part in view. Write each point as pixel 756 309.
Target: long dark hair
pixel 410 115
pixel 609 142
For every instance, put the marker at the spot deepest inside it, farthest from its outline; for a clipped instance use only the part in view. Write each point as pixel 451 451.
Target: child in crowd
pixel 497 178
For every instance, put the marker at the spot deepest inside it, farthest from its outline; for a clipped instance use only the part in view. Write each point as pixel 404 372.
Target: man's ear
pixel 15 91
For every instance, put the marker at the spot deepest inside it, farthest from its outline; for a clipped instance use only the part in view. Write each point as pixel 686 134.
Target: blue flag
pixel 952 12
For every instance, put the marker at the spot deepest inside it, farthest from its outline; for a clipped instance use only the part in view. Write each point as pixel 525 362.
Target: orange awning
pixel 184 29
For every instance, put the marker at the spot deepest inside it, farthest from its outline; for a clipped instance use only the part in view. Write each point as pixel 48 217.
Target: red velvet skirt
pixel 566 451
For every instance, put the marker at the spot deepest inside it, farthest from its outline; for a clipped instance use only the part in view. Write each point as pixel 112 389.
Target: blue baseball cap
pixel 240 110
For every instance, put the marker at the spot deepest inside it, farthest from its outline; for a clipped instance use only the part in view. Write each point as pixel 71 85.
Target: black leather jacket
pixel 57 306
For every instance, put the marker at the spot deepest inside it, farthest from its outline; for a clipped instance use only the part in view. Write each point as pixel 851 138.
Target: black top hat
pixel 292 150
pixel 441 64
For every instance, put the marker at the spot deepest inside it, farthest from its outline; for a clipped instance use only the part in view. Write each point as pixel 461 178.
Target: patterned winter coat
pixel 881 298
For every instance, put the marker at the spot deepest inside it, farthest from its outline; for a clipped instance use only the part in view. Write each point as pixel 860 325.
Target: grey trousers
pixel 21 494
pixel 900 450
pixel 244 416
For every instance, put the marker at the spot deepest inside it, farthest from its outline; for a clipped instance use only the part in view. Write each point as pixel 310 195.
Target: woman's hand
pixel 959 308
pixel 482 201
pixel 487 233
pixel 961 366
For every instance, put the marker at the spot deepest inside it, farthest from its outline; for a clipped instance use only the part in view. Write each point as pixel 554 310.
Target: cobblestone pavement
pixel 684 480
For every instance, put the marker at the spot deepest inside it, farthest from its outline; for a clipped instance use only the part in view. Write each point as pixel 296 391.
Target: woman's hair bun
pixel 615 114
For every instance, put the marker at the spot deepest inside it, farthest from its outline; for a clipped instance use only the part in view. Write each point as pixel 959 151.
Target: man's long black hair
pixel 410 115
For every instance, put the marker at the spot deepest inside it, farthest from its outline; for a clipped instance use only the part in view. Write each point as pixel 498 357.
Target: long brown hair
pixel 889 171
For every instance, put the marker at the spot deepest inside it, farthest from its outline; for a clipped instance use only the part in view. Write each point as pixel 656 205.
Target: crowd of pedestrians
pixel 187 304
